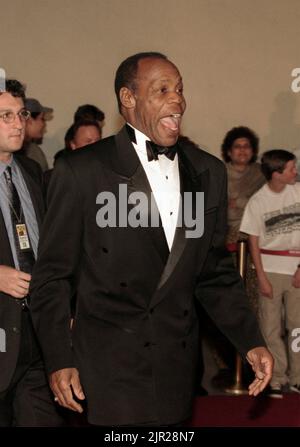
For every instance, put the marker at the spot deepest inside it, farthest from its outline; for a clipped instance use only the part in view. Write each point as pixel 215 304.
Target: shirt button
pixel 16 330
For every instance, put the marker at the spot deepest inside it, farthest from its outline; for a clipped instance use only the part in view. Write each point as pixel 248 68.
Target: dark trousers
pixel 28 402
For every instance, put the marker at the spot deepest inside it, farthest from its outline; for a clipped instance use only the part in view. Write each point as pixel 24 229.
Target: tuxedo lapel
pixel 179 241
pixel 190 182
pixel 139 182
pixel 128 166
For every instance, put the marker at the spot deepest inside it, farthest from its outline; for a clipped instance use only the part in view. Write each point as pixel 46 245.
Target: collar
pixel 149 150
pixel 3 165
pixel 137 138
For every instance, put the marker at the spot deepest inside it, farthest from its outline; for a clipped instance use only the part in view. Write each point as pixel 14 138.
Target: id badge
pixel 23 236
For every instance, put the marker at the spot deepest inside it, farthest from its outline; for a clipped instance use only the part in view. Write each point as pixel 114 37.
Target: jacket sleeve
pixel 54 272
pixel 220 289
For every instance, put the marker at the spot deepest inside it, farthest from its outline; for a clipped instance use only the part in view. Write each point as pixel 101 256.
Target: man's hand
pixel 65 384
pixel 14 282
pixel 296 279
pixel 262 363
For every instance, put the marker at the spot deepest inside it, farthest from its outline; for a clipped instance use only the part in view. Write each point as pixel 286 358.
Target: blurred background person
pixel 84 132
pixel 84 112
pixel 77 136
pixel 90 112
pixel 239 151
pixel 35 130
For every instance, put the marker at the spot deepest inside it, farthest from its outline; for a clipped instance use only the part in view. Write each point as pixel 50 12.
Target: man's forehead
pixel 7 101
pixel 157 68
pixel 290 163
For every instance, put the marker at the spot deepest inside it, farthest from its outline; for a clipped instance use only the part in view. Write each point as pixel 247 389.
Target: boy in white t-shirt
pixel 272 220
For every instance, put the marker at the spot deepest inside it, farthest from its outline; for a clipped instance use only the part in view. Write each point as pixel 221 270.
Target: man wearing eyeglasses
pixel 24 394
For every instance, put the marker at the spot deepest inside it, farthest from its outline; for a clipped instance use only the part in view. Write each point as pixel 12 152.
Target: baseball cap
pixel 34 106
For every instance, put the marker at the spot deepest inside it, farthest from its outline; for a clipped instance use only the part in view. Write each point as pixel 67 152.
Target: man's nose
pixel 176 97
pixel 18 122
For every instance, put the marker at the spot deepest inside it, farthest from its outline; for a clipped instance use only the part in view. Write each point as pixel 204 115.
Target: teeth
pixel 176 115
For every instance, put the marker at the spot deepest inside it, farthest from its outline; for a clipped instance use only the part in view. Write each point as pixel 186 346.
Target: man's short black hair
pixel 234 134
pixel 71 132
pixel 275 160
pixel 85 123
pixel 88 112
pixel 15 88
pixel 127 71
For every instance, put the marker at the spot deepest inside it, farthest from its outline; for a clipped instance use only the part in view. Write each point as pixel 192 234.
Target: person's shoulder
pixel 200 158
pixel 256 171
pixel 259 195
pixel 255 166
pixel 28 164
pixel 31 146
pixel 296 187
pixel 87 154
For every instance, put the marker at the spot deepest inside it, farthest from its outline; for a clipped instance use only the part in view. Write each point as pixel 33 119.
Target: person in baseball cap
pixel 34 106
pixel 35 130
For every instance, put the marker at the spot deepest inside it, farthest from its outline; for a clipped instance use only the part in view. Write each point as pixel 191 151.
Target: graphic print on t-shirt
pixel 282 221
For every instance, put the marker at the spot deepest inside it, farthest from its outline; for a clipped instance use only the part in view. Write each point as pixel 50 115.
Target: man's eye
pixel 180 91
pixel 163 89
pixel 7 115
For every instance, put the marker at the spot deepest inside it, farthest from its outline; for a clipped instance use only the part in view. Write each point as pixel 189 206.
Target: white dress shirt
pixel 163 176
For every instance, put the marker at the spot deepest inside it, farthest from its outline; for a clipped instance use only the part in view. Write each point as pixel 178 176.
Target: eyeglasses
pixel 242 146
pixel 9 117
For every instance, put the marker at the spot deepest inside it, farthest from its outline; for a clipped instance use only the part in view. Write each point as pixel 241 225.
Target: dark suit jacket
pixel 10 310
pixel 135 337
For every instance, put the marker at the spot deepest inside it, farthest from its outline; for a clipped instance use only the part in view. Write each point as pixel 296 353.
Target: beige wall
pixel 236 57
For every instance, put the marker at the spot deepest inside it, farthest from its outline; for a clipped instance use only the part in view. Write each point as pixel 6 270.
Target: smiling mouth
pixel 172 121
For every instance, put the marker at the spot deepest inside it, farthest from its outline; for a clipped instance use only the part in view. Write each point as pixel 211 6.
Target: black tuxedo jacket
pixel 135 336
pixel 10 310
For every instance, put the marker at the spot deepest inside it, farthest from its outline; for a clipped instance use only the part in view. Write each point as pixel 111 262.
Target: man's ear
pixel 127 98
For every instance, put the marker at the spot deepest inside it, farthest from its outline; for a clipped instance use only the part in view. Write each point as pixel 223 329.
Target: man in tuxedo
pixel 133 349
pixel 25 398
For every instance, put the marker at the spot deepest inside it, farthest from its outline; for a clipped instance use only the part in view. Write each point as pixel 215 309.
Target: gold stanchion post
pixel 238 387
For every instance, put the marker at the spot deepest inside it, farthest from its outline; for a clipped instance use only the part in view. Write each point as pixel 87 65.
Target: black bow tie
pixel 153 149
